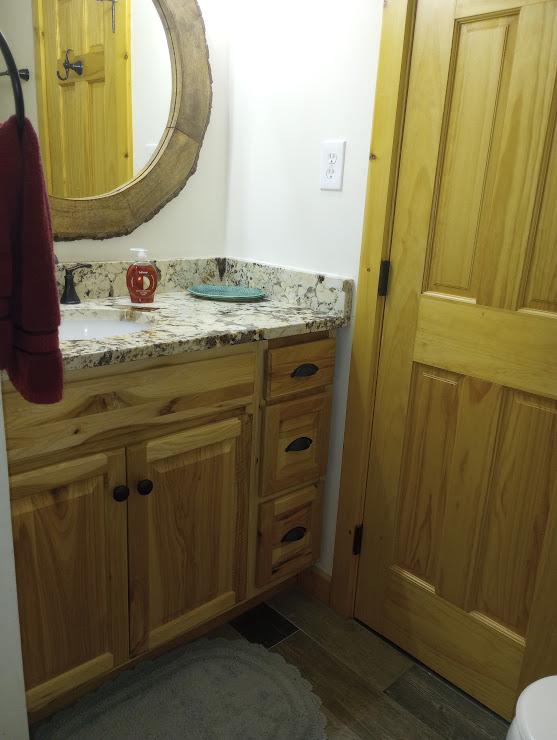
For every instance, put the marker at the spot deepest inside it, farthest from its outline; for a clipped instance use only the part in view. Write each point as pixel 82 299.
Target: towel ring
pixel 16 83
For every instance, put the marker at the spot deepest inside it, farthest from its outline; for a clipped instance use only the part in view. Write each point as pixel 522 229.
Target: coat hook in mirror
pixel 77 67
pixel 113 12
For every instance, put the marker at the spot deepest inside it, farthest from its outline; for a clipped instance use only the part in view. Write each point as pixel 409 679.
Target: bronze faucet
pixel 69 295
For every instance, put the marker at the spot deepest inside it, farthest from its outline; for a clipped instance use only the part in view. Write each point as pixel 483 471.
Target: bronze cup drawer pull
pixel 306 370
pixel 294 535
pixel 300 444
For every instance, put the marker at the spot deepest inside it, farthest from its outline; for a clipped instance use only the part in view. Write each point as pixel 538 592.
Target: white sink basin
pixel 100 324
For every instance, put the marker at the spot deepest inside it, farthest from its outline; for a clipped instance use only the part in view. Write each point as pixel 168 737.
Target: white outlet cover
pixel 332 163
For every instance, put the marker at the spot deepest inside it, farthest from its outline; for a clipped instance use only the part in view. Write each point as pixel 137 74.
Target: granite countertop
pixel 178 322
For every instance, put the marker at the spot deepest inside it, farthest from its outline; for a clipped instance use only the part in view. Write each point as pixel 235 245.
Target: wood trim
pixel 315 582
pixel 60 474
pixel 40 76
pixel 532 369
pixel 181 442
pixel 185 622
pixel 124 209
pixel 468 8
pixel 117 557
pixel 40 696
pixel 392 82
pixel 255 471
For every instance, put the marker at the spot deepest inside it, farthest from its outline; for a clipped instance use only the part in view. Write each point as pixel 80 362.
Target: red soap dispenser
pixel 141 278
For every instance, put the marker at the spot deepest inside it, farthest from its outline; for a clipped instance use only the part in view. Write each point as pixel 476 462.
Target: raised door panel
pixel 486 241
pixel 71 566
pixel 188 534
pixel 462 486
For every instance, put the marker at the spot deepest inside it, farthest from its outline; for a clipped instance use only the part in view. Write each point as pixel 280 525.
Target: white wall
pixel 302 72
pixel 16 24
pixel 151 81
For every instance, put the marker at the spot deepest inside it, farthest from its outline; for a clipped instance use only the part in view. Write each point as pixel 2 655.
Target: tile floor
pixel 368 687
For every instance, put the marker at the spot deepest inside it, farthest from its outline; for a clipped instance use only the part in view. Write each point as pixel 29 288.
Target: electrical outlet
pixel 332 164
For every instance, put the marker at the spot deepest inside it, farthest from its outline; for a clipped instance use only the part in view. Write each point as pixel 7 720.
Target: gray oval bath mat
pixel 210 690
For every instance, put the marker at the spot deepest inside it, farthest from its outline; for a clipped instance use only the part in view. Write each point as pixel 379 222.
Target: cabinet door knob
pixel 299 445
pixel 120 493
pixel 144 487
pixel 305 371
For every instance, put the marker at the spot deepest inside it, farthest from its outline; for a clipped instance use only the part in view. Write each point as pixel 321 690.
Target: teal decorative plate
pixel 226 293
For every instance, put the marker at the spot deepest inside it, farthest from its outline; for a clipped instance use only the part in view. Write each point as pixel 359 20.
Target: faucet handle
pixel 71 270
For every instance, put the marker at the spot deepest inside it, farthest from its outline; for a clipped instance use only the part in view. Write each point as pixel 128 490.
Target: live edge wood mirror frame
pixel 122 210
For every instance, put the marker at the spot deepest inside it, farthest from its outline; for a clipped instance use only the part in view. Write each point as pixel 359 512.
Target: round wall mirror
pixel 124 98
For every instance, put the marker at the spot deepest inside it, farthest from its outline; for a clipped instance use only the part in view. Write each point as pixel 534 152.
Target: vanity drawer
pixel 295 442
pixel 300 367
pixel 105 409
pixel 289 534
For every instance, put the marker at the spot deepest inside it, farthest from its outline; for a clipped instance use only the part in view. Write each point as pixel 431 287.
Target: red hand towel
pixel 29 305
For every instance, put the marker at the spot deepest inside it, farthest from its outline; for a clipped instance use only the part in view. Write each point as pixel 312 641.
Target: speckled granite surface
pixel 297 303
pixel 322 293
pixel 177 322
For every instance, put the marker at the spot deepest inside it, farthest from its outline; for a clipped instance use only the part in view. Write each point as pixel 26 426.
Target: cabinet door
pixel 187 529
pixel 71 565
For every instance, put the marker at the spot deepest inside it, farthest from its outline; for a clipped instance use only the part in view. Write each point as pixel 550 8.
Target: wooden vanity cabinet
pixel 156 496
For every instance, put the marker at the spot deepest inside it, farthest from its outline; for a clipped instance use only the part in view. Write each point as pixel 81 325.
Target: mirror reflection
pixel 104 89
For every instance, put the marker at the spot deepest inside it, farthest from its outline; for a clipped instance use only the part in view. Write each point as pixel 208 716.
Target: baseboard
pixel 316 583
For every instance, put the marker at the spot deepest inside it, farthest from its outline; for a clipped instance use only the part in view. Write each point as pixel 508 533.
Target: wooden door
pixel 85 121
pixel 459 559
pixel 71 566
pixel 187 529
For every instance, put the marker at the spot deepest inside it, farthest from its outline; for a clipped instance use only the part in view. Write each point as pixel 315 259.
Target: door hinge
pixel 384 270
pixel 357 541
